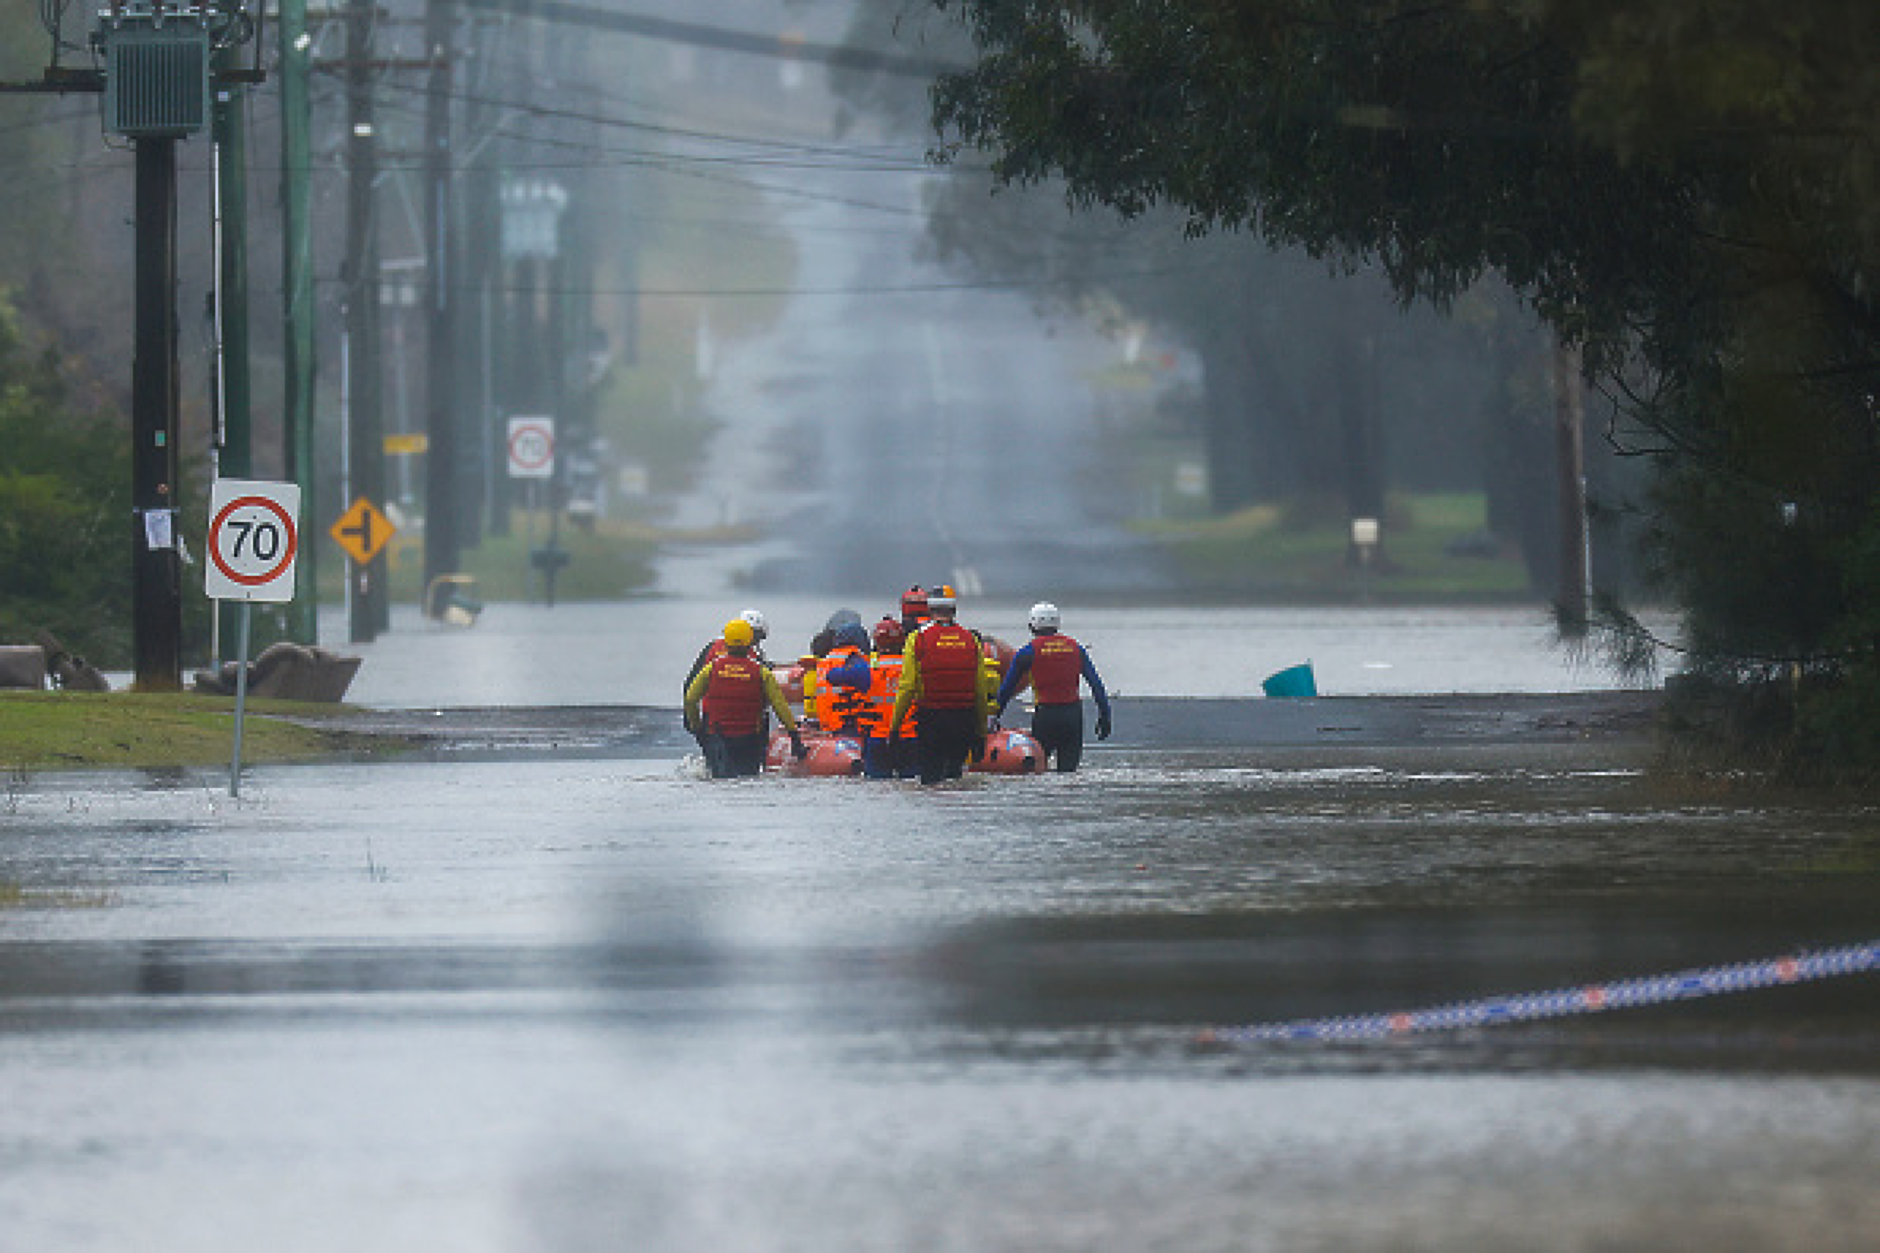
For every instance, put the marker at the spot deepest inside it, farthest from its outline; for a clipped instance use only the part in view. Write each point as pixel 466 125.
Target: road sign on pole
pixel 532 447
pixel 254 537
pixel 362 531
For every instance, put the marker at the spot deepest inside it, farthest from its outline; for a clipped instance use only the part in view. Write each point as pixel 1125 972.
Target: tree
pixel 1684 188
pixel 64 502
pixel 1318 383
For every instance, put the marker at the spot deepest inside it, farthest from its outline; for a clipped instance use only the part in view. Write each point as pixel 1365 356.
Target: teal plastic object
pixel 1292 683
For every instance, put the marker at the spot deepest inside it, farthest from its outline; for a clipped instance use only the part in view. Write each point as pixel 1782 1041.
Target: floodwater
pixel 638 652
pixel 597 1002
pixel 604 1004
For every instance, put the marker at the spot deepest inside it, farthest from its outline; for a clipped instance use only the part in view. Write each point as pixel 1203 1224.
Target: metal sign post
pixel 532 457
pixel 254 537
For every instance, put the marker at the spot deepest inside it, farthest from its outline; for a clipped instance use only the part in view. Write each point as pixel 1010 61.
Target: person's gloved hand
pixel 797 746
pixel 1103 726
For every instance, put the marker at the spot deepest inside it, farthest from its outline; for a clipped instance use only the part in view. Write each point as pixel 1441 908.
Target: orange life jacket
pixel 883 687
pixel 839 708
pixel 734 696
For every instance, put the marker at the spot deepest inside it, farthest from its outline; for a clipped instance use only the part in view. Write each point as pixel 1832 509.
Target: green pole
pixel 235 451
pixel 297 289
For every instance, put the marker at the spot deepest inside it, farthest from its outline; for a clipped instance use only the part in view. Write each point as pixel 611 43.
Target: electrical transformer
pixel 156 69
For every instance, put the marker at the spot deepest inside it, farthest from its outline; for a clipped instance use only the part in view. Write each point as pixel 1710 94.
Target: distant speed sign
pixel 253 539
pixel 532 447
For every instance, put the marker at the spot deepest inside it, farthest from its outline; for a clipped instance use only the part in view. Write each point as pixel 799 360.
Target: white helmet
pixel 1044 616
pixel 759 627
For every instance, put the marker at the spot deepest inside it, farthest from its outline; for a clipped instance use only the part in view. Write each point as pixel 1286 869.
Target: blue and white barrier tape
pixel 1591 999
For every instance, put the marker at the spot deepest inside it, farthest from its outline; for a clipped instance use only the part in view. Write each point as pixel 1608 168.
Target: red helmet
pixel 914 602
pixel 889 637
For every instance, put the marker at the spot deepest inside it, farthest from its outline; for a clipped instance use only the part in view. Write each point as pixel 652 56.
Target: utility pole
pixel 441 550
pixel 156 572
pixel 364 451
pixel 478 265
pixel 234 445
pixel 156 84
pixel 297 300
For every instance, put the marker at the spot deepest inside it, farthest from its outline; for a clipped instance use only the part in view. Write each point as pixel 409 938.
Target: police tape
pixel 1592 998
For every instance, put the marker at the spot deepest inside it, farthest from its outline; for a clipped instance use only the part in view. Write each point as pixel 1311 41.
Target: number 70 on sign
pixel 254 537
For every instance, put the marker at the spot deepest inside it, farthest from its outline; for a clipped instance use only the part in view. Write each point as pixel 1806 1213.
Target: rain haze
pixel 1434 954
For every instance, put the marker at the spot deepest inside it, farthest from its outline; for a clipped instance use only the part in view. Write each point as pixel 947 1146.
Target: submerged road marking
pixel 1595 998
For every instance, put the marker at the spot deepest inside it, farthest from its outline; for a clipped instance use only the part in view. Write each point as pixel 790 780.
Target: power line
pixel 795 147
pixel 720 38
pixel 859 289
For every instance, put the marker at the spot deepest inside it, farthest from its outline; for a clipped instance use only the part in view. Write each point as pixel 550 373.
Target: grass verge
pixel 1433 553
pixel 60 730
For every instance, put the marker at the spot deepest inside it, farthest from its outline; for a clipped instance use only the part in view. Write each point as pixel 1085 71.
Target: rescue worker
pixel 882 757
pixel 913 610
pixel 819 646
pixel 716 648
pixel 760 630
pixel 725 704
pixel 1055 664
pixel 940 676
pixel 842 680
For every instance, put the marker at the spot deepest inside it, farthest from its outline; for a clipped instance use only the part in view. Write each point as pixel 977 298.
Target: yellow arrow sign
pixel 362 531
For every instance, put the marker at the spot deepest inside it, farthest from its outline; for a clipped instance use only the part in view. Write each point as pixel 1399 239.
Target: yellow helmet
pixel 738 633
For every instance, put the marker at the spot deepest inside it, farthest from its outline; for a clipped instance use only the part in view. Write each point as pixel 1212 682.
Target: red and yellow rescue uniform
pixel 942 675
pixel 730 694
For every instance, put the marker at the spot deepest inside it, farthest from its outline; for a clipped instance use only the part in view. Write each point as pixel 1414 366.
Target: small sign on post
pixel 1364 537
pixel 254 537
pixel 362 530
pixel 532 447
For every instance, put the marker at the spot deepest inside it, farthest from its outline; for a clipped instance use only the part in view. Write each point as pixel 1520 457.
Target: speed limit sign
pixel 253 538
pixel 532 447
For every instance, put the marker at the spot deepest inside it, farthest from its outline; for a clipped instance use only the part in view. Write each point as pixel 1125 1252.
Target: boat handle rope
pixel 1591 998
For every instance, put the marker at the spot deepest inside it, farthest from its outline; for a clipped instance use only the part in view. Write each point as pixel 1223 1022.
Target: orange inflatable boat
pixel 1010 752
pixel 1007 752
pixel 828 754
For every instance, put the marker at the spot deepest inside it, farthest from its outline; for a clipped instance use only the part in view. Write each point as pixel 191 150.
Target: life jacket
pixel 948 656
pixel 808 663
pixel 1057 667
pixel 991 670
pixel 884 687
pixel 734 697
pixel 713 651
pixel 839 708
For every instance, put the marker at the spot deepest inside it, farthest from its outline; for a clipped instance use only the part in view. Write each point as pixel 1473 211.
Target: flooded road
pixel 638 652
pixel 545 1005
